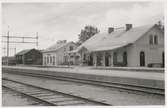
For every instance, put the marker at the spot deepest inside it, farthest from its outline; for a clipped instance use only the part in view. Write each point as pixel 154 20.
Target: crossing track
pixel 126 87
pixel 47 96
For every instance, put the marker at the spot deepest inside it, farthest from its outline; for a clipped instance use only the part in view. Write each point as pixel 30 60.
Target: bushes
pixel 155 65
pixel 67 63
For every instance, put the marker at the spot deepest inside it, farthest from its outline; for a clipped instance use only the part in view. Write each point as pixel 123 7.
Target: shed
pixel 29 56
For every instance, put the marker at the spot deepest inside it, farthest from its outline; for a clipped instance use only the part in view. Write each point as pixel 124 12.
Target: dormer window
pixel 71 48
pixel 153 40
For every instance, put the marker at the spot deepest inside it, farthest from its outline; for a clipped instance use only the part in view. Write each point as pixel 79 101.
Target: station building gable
pixel 29 57
pixel 58 53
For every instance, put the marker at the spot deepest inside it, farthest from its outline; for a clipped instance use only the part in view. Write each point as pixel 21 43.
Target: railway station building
pixel 29 57
pixel 57 54
pixel 141 46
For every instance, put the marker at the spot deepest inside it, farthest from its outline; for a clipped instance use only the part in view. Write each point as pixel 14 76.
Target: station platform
pixel 141 77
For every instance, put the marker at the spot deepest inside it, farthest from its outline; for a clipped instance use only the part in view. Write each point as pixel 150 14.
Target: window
pixel 71 48
pixel 84 57
pixel 155 39
pixel 151 40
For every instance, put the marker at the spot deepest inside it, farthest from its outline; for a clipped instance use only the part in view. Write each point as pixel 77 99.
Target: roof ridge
pixel 57 47
pixel 116 38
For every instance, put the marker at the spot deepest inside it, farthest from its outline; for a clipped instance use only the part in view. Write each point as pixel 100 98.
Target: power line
pixel 9 49
pixel 18 37
pixel 21 37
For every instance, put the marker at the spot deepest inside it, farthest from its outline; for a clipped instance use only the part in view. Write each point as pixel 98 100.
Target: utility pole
pixel 37 39
pixel 4 49
pixel 15 51
pixel 23 41
pixel 8 48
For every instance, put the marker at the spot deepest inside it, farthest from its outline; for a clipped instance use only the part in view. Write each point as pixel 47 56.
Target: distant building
pixel 8 61
pixel 133 47
pixel 58 53
pixel 29 57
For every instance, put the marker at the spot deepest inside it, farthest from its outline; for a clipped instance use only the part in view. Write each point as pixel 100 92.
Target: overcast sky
pixel 63 21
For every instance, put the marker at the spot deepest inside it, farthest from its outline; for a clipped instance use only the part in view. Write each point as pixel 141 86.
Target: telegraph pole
pixel 8 48
pixel 37 39
pixel 4 49
pixel 15 51
pixel 18 37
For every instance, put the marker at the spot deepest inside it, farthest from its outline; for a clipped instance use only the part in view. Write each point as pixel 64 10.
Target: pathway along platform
pixel 143 78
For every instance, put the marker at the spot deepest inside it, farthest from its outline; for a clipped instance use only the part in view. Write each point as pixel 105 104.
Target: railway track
pixel 19 97
pixel 126 87
pixel 49 97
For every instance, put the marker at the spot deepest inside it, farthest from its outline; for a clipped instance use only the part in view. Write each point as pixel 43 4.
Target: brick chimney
pixel 128 27
pixel 61 41
pixel 110 30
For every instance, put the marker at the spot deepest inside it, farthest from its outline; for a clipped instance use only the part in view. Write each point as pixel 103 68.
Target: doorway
pixel 163 59
pixel 107 60
pixel 125 59
pixel 90 63
pixel 142 58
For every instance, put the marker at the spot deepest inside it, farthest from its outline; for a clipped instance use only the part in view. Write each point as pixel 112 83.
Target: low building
pixel 132 47
pixel 58 53
pixel 29 57
pixel 11 60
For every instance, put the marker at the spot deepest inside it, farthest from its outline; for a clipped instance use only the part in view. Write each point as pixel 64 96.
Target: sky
pixel 64 21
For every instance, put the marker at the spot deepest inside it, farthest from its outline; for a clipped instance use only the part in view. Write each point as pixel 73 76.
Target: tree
pixel 86 33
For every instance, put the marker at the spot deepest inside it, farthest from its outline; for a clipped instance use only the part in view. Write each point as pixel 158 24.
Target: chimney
pixel 128 27
pixel 61 41
pixel 64 41
pixel 110 30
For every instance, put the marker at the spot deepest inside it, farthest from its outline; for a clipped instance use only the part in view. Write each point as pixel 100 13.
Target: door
pixel 107 60
pixel 115 59
pixel 142 58
pixel 163 59
pixel 125 59
pixel 90 60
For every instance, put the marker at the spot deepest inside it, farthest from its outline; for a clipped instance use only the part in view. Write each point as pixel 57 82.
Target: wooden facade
pixel 29 57
pixel 9 61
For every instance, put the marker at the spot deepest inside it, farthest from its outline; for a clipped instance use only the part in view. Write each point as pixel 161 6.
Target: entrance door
pixel 90 63
pixel 142 58
pixel 107 60
pixel 163 59
pixel 125 59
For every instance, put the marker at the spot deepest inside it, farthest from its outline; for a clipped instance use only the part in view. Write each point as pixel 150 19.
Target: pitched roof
pixel 23 52
pixel 116 39
pixel 56 46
